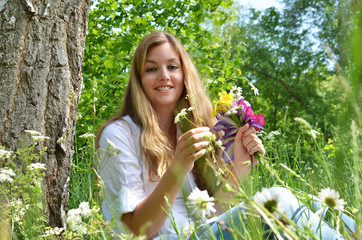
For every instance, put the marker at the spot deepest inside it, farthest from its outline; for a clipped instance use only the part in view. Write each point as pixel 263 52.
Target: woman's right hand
pixel 191 146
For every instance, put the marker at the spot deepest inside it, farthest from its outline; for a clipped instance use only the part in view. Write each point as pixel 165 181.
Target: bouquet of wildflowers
pixel 232 111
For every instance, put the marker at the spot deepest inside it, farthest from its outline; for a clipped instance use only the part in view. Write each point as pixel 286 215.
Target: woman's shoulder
pixel 124 126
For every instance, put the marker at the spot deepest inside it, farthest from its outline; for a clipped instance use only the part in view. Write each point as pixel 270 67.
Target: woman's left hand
pixel 247 143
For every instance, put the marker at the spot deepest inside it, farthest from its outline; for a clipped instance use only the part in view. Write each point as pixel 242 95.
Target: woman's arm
pixel 246 144
pixel 190 147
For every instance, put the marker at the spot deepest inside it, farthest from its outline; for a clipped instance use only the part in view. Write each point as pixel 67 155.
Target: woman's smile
pixel 163 77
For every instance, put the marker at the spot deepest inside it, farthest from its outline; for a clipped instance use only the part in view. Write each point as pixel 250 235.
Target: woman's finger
pixel 197 137
pixel 249 131
pixel 196 147
pixel 240 132
pixel 193 131
pixel 257 148
pixel 250 138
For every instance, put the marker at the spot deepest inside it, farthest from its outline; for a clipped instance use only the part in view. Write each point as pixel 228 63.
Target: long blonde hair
pixel 154 142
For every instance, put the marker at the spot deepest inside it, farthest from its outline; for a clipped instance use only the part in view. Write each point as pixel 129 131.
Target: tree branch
pixel 285 85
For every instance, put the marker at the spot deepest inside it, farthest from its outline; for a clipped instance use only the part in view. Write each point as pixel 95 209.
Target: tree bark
pixel 41 59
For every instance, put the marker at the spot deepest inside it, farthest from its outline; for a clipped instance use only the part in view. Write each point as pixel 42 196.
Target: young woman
pixel 144 156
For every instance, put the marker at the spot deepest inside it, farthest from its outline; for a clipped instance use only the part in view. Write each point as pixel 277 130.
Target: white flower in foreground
pixel 110 143
pixel 236 92
pixel 271 203
pixel 35 166
pixel 181 115
pixel 200 203
pixel 84 209
pixel 331 198
pixel 5 154
pixel 256 91
pixel 6 175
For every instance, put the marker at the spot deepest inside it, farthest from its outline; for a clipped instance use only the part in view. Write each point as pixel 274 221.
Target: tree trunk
pixel 41 58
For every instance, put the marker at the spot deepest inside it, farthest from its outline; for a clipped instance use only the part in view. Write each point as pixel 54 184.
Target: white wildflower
pixel 18 210
pixel 330 197
pixel 36 166
pixel 188 230
pixel 231 111
pixel 74 220
pixel 303 123
pixel 33 133
pixel 200 203
pixel 82 230
pixel 62 139
pixel 313 133
pixel 271 203
pixel 7 171
pixel 39 138
pixel 110 143
pixel 236 92
pixel 307 127
pixel 181 115
pixel 191 109
pixel 5 154
pixel 5 178
pixel 256 91
pixel 53 232
pixel 271 135
pixel 84 209
pixel 218 143
pixel 6 175
pixel 87 135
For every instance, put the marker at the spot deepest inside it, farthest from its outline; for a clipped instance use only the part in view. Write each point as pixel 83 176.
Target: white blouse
pixel 124 173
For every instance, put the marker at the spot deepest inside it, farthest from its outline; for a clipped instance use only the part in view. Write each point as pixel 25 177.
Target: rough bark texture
pixel 41 57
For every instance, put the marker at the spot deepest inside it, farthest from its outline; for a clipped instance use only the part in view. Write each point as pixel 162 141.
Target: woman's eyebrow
pixel 169 60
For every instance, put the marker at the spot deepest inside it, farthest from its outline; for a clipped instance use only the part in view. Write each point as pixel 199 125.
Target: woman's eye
pixel 173 67
pixel 150 69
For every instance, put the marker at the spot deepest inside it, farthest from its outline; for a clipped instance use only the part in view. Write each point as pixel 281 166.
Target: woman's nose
pixel 164 74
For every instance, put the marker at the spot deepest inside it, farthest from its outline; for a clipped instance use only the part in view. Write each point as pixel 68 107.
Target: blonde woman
pixel 146 157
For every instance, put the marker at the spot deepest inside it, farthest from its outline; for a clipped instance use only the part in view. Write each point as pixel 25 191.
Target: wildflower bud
pixel 218 143
pixel 228 188
pixel 247 163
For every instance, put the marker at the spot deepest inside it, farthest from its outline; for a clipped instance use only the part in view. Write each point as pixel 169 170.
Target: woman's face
pixel 163 77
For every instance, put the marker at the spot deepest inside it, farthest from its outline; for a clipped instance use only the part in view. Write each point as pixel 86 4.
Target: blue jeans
pixel 221 228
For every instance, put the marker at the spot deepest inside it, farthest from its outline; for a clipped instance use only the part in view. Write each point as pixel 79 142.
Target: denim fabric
pixel 299 213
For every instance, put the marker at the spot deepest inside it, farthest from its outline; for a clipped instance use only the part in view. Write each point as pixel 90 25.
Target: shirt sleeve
pixel 120 168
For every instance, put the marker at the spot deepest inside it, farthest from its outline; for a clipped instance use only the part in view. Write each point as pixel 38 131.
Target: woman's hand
pixel 247 143
pixel 191 146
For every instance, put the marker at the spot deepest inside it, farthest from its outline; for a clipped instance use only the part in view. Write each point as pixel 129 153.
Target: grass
pixel 305 165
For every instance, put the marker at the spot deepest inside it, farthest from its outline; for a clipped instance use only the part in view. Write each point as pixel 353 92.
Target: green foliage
pixel 21 193
pixel 115 27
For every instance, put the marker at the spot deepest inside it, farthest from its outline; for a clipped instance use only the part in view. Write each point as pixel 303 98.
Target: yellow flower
pixel 224 103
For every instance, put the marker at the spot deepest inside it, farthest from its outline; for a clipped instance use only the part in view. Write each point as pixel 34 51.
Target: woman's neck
pixel 166 123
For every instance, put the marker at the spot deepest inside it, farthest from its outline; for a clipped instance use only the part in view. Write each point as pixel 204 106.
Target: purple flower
pixel 240 113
